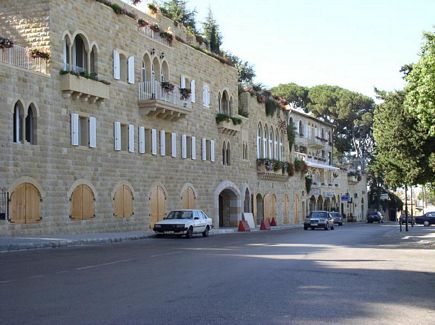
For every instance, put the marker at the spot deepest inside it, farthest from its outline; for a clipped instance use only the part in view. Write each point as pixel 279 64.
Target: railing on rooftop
pixel 153 90
pixel 19 56
pixel 148 32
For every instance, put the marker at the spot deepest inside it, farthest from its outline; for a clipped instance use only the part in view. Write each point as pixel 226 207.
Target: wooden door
pixel 82 203
pixel 296 210
pixel 267 207
pixel 18 204
pixel 273 208
pixel 157 205
pixel 123 202
pixel 33 204
pixel 25 204
pixel 188 198
pixel 286 209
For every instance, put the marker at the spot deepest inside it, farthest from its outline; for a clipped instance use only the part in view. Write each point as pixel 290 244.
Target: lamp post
pixel 406 207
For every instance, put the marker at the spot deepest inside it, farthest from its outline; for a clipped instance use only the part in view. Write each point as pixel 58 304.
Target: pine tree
pixel 211 33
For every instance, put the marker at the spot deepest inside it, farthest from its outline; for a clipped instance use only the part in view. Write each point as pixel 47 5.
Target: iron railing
pixel 19 56
pixel 150 90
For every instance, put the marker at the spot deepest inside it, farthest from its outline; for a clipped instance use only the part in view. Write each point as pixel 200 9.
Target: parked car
pixel 402 219
pixel 375 216
pixel 338 218
pixel 184 222
pixel 319 219
pixel 426 219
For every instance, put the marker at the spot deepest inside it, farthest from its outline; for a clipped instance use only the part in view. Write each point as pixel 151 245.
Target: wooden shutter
pixel 74 129
pixel 131 138
pixel 162 142
pixel 161 203
pixel 174 144
pixel 117 133
pixel 182 81
pixel 118 203
pixel 193 148
pixel 153 207
pixel 18 204
pixel 154 141
pixel 33 204
pixel 130 64
pixel 141 139
pixel 76 203
pixel 212 150
pixel 204 149
pixel 128 202
pixel 116 65
pixel 88 202
pixel 92 132
pixel 183 146
pixel 192 91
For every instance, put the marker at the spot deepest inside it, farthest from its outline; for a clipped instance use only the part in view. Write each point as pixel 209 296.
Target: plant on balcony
pixel 153 8
pixel 308 182
pixel 271 106
pixel 185 93
pixel 91 75
pixel 267 163
pixel 334 174
pixel 290 135
pixel 221 117
pixel 168 36
pixel 278 165
pixel 155 27
pixel 167 86
pixel 36 53
pixel 5 43
pixel 236 120
pixel 298 164
pixel 142 22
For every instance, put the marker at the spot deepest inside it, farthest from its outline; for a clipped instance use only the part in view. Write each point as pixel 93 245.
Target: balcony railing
pixel 18 56
pixel 148 32
pixel 162 102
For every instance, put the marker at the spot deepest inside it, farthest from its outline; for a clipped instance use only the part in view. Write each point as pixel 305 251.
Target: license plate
pixel 169 232
pixel 314 224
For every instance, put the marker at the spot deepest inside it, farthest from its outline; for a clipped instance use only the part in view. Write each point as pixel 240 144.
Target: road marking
pixel 103 264
pixel 6 281
pixel 166 254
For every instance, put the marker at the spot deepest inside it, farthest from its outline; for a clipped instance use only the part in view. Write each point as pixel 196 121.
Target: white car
pixel 184 222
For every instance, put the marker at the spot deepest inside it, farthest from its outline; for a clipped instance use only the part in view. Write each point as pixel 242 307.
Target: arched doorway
pixel 123 202
pixel 270 206
pixel 228 208
pixel 319 203
pixel 82 203
pixel 188 198
pixel 25 204
pixel 260 208
pixel 157 205
pixel 296 210
pixel 246 202
pixel 286 209
pixel 312 203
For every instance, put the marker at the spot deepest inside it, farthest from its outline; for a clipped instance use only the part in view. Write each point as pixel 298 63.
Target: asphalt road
pixel 355 274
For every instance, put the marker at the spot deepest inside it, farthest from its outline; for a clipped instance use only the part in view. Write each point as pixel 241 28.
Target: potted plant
pixel 185 93
pixel 168 36
pixel 36 53
pixel 155 27
pixel 142 23
pixel 167 86
pixel 5 43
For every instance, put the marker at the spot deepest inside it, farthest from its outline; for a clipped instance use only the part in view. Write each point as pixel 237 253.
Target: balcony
pixel 18 56
pixel 315 143
pixel 228 124
pixel 164 103
pixel 155 36
pixel 272 170
pixel 86 89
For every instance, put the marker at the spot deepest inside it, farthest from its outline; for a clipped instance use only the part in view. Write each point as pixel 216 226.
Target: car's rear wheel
pixel 312 228
pixel 189 232
pixel 332 227
pixel 326 227
pixel 340 224
pixel 305 228
pixel 206 231
pixel 426 223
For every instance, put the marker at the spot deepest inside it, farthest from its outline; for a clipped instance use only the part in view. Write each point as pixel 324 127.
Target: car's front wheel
pixel 206 231
pixel 189 232
pixel 426 223
pixel 305 228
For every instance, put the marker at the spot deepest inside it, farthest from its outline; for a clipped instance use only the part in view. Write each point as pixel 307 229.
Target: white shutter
pixel 182 81
pixel 258 145
pixel 162 142
pixel 141 139
pixel 306 131
pixel 204 148
pixel 131 138
pixel 192 89
pixel 193 148
pixel 65 54
pixel 183 147
pixel 130 64
pixel 116 65
pixel 74 129
pixel 117 129
pixel 174 144
pixel 212 150
pixel 92 132
pixel 208 97
pixel 154 141
pixel 18 126
pixel 204 95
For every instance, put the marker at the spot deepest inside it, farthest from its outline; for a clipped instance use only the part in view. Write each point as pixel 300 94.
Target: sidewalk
pixel 11 243
pixel 416 237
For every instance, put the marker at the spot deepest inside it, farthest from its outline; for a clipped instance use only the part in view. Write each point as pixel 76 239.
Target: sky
pixel 354 44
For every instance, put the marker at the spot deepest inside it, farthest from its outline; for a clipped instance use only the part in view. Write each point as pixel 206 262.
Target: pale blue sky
pixel 355 44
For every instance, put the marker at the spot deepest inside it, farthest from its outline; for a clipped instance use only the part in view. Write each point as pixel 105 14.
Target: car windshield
pixel 180 215
pixel 318 215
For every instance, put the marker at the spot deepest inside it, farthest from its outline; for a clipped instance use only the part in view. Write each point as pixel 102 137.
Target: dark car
pixel 374 216
pixel 338 218
pixel 319 219
pixel 426 219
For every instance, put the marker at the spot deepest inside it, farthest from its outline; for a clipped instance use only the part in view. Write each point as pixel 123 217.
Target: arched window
pixel 276 145
pixel 230 111
pixel 228 154
pixel 270 156
pixel 225 103
pixel 18 122
pixel 281 148
pixel 80 55
pixel 165 71
pixel 265 145
pixel 31 125
pixel 224 153
pixel 66 53
pixel 259 141
pixel 219 102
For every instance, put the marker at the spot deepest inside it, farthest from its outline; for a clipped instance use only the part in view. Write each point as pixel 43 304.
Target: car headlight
pixel 157 226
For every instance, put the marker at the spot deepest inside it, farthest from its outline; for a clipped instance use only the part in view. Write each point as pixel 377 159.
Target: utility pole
pixel 406 207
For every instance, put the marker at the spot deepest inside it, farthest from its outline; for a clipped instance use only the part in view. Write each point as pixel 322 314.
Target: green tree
pixel 420 87
pixel 403 146
pixel 177 11
pixel 293 93
pixel 211 33
pixel 244 68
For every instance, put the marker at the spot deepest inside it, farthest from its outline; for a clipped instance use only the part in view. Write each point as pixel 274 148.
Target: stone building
pixel 109 119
